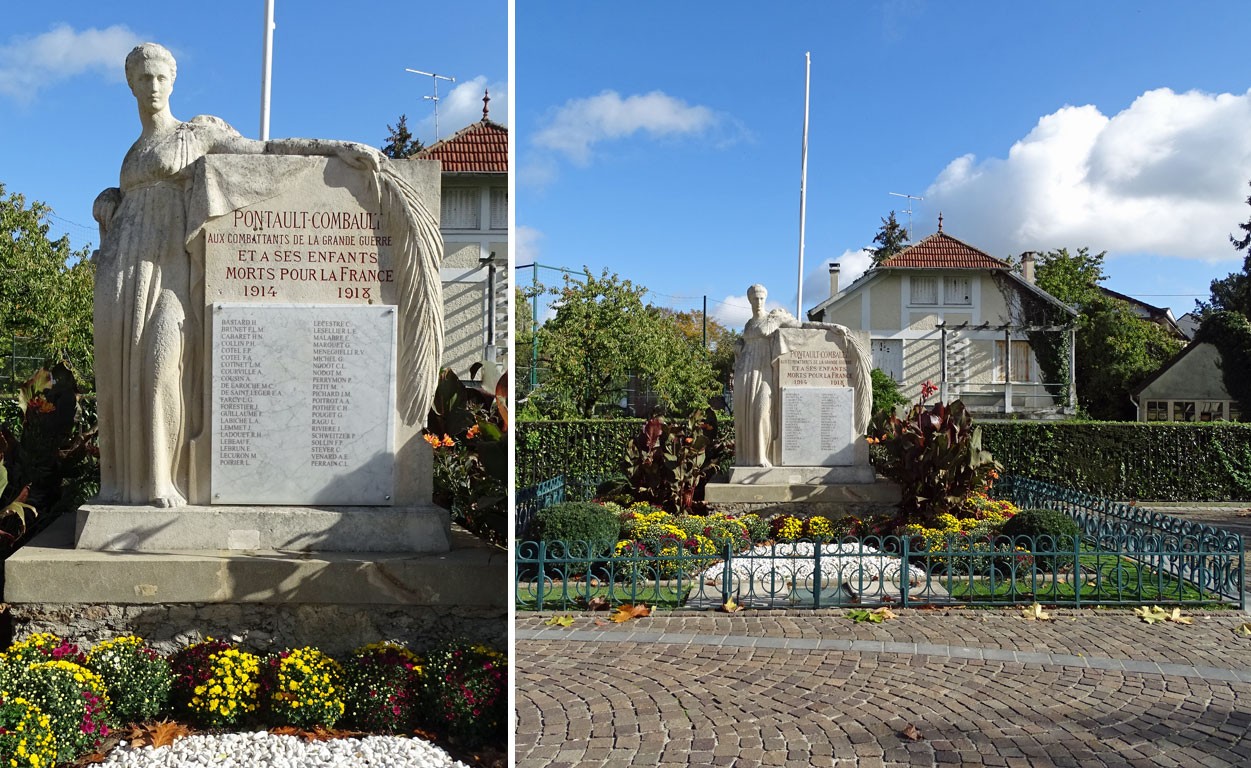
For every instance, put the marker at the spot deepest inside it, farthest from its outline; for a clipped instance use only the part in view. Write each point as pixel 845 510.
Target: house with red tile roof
pixel 944 311
pixel 474 223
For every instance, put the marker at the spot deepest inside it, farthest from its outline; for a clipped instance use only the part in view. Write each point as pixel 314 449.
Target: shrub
pixel 136 677
pixel 935 454
pixel 786 528
pixel 43 646
pixel 74 699
pixel 466 691
pixel 669 464
pixel 757 529
pixel 26 738
pixel 576 529
pixel 1046 529
pixel 819 528
pixel 886 394
pixel 302 688
pixel 658 534
pixel 215 684
pixel 720 529
pixel 381 689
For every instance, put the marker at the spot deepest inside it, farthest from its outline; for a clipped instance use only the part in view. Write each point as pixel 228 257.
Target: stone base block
pixel 881 497
pixel 801 475
pixel 51 570
pixel 118 528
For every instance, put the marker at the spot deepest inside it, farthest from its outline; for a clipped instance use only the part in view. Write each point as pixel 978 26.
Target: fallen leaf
pixel 627 611
pixel 911 733
pixel 731 607
pixel 1176 617
pixel 159 734
pixel 1150 615
pixel 1244 628
pixel 886 613
pixel 860 615
pixel 560 621
pixel 1035 612
pixel 600 623
pixel 597 603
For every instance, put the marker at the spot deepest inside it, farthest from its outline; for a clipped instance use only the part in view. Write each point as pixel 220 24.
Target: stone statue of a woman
pixel 754 417
pixel 148 365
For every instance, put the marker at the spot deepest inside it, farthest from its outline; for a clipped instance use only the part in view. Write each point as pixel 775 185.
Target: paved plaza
pixel 983 687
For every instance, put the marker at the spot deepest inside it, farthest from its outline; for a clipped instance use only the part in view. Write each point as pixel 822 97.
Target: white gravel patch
pixel 265 749
pixel 861 568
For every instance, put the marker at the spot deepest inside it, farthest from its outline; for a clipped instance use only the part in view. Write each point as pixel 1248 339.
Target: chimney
pixel 834 268
pixel 1027 266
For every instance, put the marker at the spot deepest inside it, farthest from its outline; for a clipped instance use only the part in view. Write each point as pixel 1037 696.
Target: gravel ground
pixel 266 749
pixel 784 563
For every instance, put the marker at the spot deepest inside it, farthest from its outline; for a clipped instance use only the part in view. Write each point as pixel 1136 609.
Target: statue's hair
pixel 142 53
pixel 757 288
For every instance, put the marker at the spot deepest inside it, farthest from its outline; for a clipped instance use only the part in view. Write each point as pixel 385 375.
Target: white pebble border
pixel 239 750
pixel 793 563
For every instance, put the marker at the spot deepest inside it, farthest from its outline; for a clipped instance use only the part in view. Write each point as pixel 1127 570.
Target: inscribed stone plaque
pixel 817 426
pixel 825 366
pixel 303 403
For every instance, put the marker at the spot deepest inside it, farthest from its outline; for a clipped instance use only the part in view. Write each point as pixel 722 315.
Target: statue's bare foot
pixel 766 463
pixel 170 500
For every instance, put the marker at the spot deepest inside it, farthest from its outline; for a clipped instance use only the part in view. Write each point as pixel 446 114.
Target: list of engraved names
pixel 303 403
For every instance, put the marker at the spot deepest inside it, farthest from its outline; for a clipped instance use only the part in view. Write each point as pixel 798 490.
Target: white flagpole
pixel 803 187
pixel 266 67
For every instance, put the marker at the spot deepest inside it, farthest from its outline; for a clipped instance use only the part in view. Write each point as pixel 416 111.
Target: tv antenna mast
pixel 909 210
pixel 435 97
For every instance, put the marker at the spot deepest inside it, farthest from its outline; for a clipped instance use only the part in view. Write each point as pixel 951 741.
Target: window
pixel 499 207
pixel 1210 411
pixel 461 208
pixel 1157 410
pixel 924 290
pixel 1022 368
pixel 957 290
pixel 1184 410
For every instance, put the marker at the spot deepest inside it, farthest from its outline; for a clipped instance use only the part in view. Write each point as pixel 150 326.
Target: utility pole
pixel 267 61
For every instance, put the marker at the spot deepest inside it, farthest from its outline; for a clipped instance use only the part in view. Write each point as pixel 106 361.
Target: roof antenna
pixel 909 211
pixel 435 97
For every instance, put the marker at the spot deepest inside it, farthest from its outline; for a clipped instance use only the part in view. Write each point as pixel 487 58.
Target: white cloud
pixel 1167 176
pixel 462 106
pixel 574 128
pixel 30 63
pixel 734 311
pixel 527 239
pixel 852 264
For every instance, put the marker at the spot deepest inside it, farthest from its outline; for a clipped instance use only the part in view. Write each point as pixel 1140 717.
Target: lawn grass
pixel 575 595
pixel 1108 578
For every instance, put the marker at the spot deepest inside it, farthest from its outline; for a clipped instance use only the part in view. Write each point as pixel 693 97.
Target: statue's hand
pixel 105 206
pixel 360 156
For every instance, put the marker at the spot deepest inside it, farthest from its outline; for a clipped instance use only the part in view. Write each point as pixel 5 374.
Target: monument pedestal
pixel 803 492
pixel 415 529
pixel 263 598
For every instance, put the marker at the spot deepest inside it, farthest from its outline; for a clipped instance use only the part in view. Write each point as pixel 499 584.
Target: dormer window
pixel 958 291
pixel 924 290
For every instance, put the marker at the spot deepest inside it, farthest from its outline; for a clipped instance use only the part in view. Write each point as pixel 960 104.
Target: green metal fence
pixel 1125 556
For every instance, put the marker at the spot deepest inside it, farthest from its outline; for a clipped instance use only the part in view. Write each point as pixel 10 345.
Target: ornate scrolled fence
pixel 1125 556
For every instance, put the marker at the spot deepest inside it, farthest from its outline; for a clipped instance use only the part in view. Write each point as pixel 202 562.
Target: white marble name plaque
pixel 303 400
pixel 825 366
pixel 817 426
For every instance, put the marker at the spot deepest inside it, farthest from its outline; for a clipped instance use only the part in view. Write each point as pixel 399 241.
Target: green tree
pixel 400 142
pixel 720 340
pixel 1115 348
pixel 1232 293
pixel 891 238
pixel 45 288
pixel 601 338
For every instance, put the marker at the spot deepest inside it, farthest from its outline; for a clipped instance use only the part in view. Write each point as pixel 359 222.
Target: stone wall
pixel 261 627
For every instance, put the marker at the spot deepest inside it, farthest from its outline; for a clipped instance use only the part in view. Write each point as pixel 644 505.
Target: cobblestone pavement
pixel 983 687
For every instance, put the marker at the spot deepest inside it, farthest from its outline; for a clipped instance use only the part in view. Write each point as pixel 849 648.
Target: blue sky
pixel 662 140
pixel 67 116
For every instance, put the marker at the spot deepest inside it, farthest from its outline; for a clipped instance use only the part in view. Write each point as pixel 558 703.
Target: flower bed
pixel 57 704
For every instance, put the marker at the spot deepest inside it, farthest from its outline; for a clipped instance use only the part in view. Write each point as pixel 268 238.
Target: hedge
pixel 1121 460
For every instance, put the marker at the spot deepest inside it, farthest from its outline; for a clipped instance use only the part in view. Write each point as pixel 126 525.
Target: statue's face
pixel 152 85
pixel 757 299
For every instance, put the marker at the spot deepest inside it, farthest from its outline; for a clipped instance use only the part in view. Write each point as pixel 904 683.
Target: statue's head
pixel 149 52
pixel 150 71
pixel 756 296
